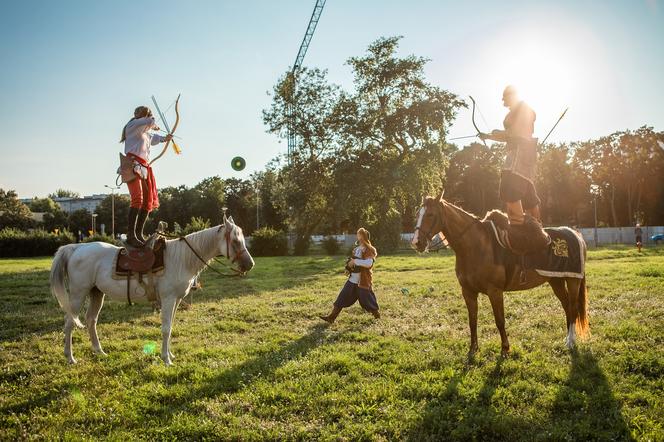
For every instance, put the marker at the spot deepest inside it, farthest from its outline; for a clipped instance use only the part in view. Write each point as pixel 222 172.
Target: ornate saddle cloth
pixel 140 261
pixel 563 258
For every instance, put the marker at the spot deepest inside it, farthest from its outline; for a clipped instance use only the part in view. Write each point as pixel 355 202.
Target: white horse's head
pixel 233 245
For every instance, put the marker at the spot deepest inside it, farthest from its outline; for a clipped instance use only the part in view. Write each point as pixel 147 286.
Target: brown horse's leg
pixel 471 304
pixel 496 298
pixel 558 286
pixel 573 307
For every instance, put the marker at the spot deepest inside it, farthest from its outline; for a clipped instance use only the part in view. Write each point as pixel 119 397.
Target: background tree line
pixel 366 155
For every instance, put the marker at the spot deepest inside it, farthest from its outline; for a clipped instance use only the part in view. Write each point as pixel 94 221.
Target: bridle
pixel 233 260
pixel 428 233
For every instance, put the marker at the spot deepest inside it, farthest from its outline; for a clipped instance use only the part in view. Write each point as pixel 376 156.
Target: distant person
pixel 359 285
pixel 517 188
pixel 138 137
pixel 638 232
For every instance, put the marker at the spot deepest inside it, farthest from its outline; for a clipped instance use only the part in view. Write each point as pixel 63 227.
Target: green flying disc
pixel 238 163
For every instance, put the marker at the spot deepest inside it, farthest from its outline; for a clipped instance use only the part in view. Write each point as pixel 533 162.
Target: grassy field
pixel 253 362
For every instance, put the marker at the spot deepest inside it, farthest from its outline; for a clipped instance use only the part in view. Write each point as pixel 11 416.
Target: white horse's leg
pixel 167 308
pixel 96 303
pixel 177 304
pixel 76 300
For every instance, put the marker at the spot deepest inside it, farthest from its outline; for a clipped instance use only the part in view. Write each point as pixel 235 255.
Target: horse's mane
pixel 459 209
pixel 183 261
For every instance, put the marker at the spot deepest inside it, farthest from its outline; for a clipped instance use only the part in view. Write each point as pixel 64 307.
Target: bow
pixel 475 124
pixel 176 148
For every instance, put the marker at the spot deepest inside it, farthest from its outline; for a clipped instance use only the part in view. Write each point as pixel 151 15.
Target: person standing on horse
pixel 517 188
pixel 359 285
pixel 138 137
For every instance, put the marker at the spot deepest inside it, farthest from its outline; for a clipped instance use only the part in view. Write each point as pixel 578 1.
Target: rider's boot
pixel 140 225
pixel 332 316
pixel 132 240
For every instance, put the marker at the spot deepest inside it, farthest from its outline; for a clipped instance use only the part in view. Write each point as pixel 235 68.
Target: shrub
pixel 386 232
pixel 196 224
pixel 268 242
pixel 17 243
pixel 302 244
pixel 331 245
pixel 103 238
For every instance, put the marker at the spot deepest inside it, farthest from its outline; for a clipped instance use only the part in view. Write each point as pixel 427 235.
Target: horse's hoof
pixel 72 361
pixel 100 352
pixel 505 353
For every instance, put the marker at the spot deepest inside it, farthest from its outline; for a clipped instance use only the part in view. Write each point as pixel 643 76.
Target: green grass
pixel 253 362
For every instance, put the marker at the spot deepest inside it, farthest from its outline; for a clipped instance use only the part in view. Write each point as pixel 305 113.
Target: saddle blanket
pixel 562 259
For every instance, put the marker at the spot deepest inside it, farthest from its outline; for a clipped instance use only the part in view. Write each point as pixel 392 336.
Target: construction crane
pixel 315 16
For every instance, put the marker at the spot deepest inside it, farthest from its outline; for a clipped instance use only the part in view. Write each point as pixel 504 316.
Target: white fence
pixel 605 236
pixel 619 235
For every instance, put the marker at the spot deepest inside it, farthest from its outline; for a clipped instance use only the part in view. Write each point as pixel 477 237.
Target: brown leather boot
pixel 332 316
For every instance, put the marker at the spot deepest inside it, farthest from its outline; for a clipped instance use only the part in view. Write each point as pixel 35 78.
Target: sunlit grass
pixel 253 361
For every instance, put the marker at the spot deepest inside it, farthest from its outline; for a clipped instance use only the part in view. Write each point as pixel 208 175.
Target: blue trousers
pixel 351 293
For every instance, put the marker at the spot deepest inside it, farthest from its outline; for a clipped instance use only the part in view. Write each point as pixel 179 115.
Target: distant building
pixel 88 203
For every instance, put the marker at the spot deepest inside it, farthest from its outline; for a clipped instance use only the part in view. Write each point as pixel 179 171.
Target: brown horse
pixel 478 272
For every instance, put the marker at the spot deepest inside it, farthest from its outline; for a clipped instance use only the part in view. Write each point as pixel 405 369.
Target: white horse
pixel 88 270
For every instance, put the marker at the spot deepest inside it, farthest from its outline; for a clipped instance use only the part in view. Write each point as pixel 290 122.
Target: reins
pixel 236 273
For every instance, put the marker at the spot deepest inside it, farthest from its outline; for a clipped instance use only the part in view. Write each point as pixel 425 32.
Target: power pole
pixel 313 22
pixel 113 188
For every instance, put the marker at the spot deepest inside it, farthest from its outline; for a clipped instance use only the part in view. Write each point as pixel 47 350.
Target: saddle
pixel 561 257
pixel 142 261
pixel 520 239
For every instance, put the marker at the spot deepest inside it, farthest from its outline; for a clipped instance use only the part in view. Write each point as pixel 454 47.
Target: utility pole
pixel 113 189
pixel 594 189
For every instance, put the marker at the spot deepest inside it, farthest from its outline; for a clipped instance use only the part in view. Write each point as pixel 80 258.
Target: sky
pixel 73 71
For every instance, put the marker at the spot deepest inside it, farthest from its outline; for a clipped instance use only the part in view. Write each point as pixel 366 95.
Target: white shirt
pixel 357 253
pixel 139 138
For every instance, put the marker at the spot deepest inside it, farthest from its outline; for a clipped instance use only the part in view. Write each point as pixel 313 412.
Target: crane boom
pixel 313 22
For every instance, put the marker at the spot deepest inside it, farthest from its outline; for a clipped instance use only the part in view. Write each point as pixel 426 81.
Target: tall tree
pixel 13 213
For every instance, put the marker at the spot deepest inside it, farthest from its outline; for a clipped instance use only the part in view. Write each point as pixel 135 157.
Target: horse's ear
pixel 231 220
pixel 440 197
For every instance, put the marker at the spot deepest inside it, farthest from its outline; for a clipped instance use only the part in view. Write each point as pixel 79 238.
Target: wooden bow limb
pixel 474 124
pixel 176 148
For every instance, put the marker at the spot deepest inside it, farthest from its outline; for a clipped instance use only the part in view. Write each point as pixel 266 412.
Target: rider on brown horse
pixel 517 188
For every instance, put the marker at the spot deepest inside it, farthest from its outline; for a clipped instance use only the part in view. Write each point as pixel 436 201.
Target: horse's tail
pixel 582 327
pixel 58 277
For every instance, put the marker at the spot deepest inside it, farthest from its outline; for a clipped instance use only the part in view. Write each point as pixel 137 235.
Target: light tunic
pixel 139 138
pixel 357 254
pixel 521 158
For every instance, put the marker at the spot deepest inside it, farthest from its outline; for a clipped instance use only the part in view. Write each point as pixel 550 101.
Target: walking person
pixel 638 233
pixel 359 285
pixel 138 137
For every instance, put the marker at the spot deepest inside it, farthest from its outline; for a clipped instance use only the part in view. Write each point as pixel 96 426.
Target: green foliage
pixel 385 230
pixel 17 243
pixel 254 362
pixel 44 205
pixel 267 241
pixel 79 220
pixel 302 245
pixel 103 238
pixel 104 212
pixel 331 245
pixel 64 193
pixel 196 224
pixel 13 213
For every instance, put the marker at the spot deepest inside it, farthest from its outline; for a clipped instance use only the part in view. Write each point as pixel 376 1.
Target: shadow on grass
pixel 240 376
pixel 27 307
pixel 584 409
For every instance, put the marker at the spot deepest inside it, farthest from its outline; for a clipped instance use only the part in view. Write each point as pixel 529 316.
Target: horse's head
pixel 429 222
pixel 234 247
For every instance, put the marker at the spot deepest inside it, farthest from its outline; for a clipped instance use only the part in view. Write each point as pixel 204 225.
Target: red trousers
pixel 143 192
